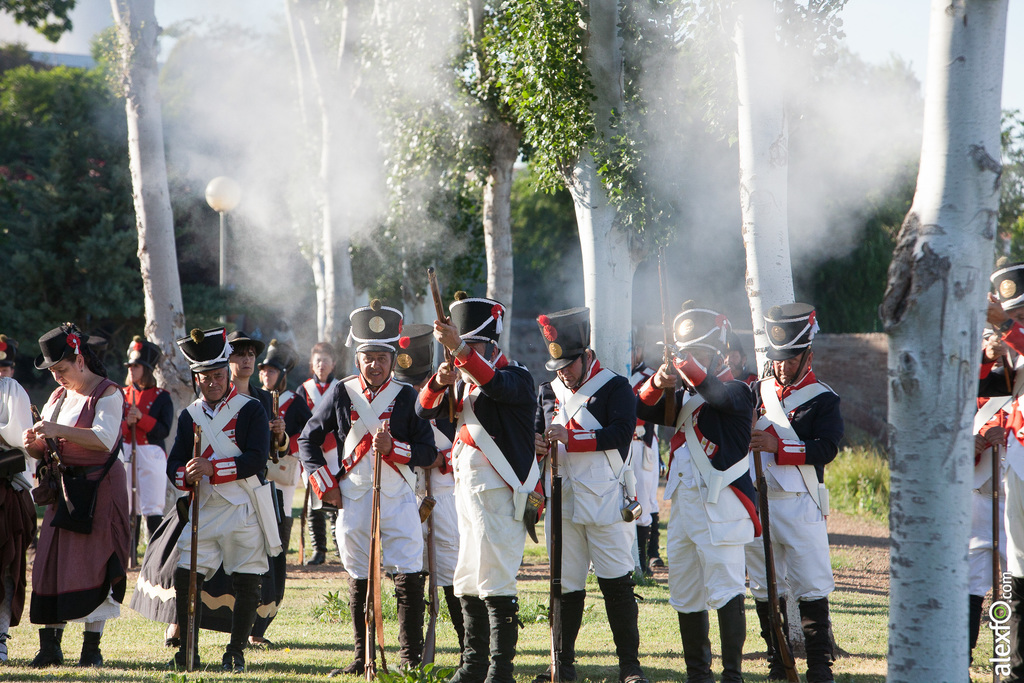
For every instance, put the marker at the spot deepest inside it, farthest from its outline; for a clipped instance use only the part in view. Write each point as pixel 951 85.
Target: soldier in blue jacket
pixel 713 514
pixel 592 425
pixel 797 434
pixel 495 471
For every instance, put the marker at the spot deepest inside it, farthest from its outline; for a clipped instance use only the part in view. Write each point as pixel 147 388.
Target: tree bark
pixel 497 215
pixel 608 264
pixel 933 311
pixel 165 316
pixel 763 137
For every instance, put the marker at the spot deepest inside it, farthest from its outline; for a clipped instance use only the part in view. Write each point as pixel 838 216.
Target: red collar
pixel 370 393
pixel 595 368
pixel 808 378
pixel 214 409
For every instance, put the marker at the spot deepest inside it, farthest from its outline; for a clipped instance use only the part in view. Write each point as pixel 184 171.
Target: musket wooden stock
pixel 374 613
pixel 51 444
pixel 774 615
pixel 666 357
pixel 555 510
pixel 997 520
pixel 435 293
pixel 430 639
pixel 192 628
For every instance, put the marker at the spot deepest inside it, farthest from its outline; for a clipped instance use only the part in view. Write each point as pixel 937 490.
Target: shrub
pixel 858 482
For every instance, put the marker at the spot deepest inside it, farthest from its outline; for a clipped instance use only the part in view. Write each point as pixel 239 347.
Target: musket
pixel 373 612
pixel 670 399
pixel 435 292
pixel 275 439
pixel 430 639
pixel 997 520
pixel 774 615
pixel 133 508
pixel 555 569
pixel 192 628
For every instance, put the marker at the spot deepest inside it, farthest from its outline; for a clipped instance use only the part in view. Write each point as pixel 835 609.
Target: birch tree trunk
pixel 608 264
pixel 165 316
pixel 933 311
pixel 497 215
pixel 763 137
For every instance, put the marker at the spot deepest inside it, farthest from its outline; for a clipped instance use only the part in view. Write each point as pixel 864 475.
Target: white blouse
pixel 106 425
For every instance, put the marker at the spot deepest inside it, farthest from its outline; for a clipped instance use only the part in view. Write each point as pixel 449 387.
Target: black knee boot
pixel 409 596
pixel 502 615
pixel 974 620
pixel 247 598
pixel 572 619
pixel 620 604
pixel 776 670
pixel 815 622
pixel 732 624
pixel 455 612
pixel 693 631
pixel 91 655
pixel 643 534
pixel 357 607
pixel 181 582
pixel 475 651
pixel 49 653
pixel 316 521
pixel 653 552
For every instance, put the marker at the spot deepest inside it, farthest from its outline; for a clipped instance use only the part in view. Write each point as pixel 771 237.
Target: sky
pixel 875 29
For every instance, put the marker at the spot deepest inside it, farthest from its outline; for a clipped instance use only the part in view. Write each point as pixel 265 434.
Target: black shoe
pixel 91 655
pixel 356 668
pixel 49 653
pixel 655 562
pixel 319 557
pixel 172 642
pixel 233 662
pixel 178 662
pixel 634 678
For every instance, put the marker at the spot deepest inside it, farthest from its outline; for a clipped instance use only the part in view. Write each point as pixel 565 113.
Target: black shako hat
pixel 567 334
pixel 240 338
pixel 477 319
pixel 59 343
pixel 789 329
pixel 143 352
pixel 697 327
pixel 1008 282
pixel 8 350
pixel 375 327
pixel 281 356
pixel 206 350
pixel 415 353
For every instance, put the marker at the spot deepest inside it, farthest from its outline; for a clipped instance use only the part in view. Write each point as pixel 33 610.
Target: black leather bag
pixel 47 491
pixel 12 461
pixel 76 503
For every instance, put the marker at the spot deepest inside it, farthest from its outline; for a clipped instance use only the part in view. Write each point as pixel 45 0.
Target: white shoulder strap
pixel 713 478
pixel 213 429
pixel 496 458
pixel 369 419
pixel 777 416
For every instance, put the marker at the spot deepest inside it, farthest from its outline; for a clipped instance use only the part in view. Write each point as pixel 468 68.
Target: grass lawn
pixel 309 643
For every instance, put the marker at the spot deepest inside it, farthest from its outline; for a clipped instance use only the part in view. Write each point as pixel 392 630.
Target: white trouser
pixel 608 546
pixel 701 575
pixel 151 478
pixel 400 538
pixel 645 467
pixel 1013 519
pixel 800 546
pixel 446 535
pixel 229 535
pixel 979 552
pixel 490 542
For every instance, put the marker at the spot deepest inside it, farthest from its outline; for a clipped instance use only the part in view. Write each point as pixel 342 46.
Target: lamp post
pixel 223 195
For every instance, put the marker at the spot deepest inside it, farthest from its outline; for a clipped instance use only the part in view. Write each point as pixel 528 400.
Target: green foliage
pixel 425 673
pixel 858 483
pixel 536 59
pixel 333 609
pixel 65 197
pixel 1011 199
pixel 49 17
